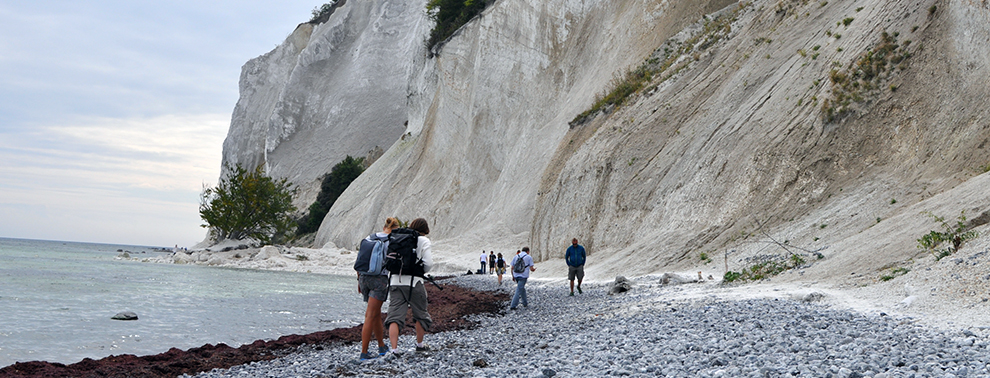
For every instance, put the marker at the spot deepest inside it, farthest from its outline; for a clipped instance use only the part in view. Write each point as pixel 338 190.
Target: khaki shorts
pixel 374 286
pixel 575 271
pixel 402 300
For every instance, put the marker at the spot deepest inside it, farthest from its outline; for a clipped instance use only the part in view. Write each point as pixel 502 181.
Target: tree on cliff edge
pixel 247 205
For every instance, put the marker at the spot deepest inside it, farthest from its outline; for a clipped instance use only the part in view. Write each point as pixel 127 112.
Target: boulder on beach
pixel 677 279
pixel 808 297
pixel 621 285
pixel 267 252
pixel 182 258
pixel 126 315
pixel 215 260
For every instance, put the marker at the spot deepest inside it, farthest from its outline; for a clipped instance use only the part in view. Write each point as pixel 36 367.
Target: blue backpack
pixel 377 262
pixel 371 256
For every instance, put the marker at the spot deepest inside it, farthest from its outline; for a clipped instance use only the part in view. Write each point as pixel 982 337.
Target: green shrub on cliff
pixel 322 13
pixel 331 188
pixel 450 15
pixel 953 236
pixel 247 205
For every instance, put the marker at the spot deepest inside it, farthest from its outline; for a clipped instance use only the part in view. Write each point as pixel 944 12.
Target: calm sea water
pixel 57 298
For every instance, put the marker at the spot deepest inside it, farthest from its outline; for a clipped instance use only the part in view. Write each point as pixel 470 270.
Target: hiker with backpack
pixel 408 260
pixel 522 264
pixel 373 285
pixel 500 267
pixel 574 257
pixel 491 262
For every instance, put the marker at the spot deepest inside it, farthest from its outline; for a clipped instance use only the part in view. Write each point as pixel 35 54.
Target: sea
pixel 57 299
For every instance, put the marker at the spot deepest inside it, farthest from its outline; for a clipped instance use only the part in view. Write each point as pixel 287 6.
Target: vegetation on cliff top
pixel 322 13
pixel 450 15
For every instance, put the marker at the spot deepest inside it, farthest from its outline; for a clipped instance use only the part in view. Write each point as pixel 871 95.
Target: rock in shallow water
pixel 126 315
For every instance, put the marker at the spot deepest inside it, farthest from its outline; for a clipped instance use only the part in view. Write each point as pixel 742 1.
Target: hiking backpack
pixel 401 257
pixel 371 255
pixel 519 265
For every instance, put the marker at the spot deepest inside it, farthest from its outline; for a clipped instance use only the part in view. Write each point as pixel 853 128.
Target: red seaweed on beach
pixel 448 308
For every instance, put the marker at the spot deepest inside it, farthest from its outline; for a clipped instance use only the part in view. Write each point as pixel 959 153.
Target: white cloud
pixel 113 113
pixel 122 173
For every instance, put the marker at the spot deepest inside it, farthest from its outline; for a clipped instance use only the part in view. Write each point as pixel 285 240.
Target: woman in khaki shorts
pixel 409 291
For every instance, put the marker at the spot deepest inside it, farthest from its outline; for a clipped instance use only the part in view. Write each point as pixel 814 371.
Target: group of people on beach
pixel 406 290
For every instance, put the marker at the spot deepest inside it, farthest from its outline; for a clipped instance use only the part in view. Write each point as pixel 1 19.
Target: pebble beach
pixel 654 330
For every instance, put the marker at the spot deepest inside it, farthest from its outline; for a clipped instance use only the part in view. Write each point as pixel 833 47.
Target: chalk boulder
pixel 677 279
pixel 267 252
pixel 621 285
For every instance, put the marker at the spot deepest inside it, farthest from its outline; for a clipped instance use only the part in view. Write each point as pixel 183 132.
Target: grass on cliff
pixel 864 76
pixel 664 62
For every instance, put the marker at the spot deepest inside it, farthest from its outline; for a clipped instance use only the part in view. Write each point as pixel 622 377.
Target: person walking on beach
pixel 500 267
pixel 409 291
pixel 575 257
pixel 484 262
pixel 374 287
pixel 522 264
pixel 491 262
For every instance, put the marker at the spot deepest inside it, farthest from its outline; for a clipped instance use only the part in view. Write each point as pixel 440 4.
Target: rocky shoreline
pixel 451 309
pixel 690 330
pixel 656 330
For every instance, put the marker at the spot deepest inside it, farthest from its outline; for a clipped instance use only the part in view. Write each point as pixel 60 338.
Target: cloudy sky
pixel 113 113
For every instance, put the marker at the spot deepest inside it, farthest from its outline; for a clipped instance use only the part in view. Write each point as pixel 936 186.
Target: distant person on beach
pixel 518 251
pixel 491 262
pixel 374 288
pixel 575 257
pixel 484 262
pixel 520 277
pixel 500 267
pixel 410 291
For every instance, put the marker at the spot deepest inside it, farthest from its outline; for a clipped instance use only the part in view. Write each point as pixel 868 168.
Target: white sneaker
pixel 392 354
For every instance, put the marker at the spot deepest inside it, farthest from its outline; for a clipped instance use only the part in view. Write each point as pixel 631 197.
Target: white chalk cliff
pixel 726 149
pixel 330 90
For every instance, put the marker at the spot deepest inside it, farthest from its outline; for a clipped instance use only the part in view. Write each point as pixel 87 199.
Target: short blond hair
pixel 391 223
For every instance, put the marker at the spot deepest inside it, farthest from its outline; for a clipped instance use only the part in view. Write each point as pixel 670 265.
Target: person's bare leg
pixel 378 330
pixel 369 328
pixel 420 332
pixel 393 335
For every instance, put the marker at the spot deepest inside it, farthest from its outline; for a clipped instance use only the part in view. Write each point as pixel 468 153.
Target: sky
pixel 113 113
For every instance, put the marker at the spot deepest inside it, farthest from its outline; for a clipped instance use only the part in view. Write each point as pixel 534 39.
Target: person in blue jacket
pixel 575 257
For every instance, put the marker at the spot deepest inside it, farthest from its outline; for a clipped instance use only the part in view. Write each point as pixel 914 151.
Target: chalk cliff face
pixel 330 90
pixel 730 147
pixel 490 111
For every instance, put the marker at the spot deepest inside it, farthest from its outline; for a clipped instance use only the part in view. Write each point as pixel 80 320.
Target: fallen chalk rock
pixel 267 252
pixel 676 279
pixel 814 296
pixel 126 315
pixel 621 285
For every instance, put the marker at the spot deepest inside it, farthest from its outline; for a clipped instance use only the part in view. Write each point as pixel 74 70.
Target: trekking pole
pixel 429 277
